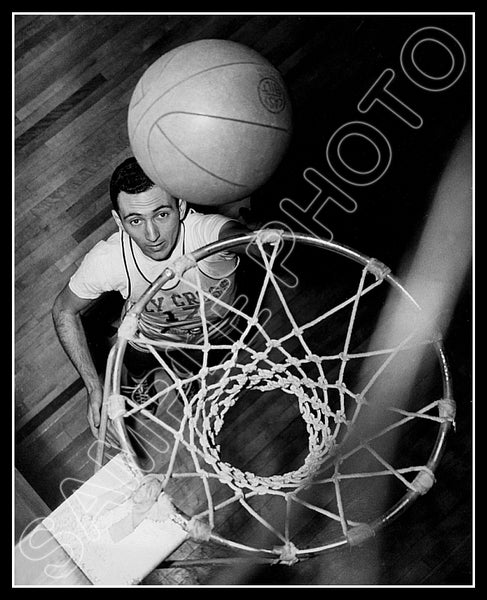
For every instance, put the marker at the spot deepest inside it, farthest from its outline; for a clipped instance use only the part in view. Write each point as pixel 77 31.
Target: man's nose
pixel 151 231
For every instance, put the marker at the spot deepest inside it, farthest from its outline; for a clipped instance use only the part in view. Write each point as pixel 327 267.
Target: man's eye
pixel 135 222
pixel 162 215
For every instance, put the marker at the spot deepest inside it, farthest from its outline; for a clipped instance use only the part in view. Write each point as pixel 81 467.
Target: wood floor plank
pixel 49 480
pixel 61 427
pixel 65 206
pixel 26 332
pixel 36 383
pixel 81 39
pixel 50 159
pixel 60 168
pixel 42 34
pixel 446 571
pixel 46 289
pixel 57 92
pixel 35 135
pixel 28 25
pixel 29 506
pixel 251 30
pixel 61 392
pixel 39 389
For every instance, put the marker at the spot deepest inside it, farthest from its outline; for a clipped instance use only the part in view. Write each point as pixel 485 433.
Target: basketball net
pixel 359 435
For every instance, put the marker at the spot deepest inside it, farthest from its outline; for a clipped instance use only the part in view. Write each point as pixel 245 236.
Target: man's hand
pixel 95 398
pixel 66 314
pixel 95 401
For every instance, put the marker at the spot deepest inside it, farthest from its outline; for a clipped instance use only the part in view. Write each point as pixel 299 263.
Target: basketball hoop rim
pixel 115 359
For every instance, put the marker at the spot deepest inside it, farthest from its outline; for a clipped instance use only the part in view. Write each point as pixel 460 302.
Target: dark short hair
pixel 128 177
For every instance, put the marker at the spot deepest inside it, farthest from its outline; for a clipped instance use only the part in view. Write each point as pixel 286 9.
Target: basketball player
pixel 153 227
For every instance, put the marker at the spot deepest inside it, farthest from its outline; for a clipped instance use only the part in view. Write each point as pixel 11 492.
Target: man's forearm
pixel 72 336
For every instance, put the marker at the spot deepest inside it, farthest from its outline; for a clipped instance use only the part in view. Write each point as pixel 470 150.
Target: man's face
pixel 152 220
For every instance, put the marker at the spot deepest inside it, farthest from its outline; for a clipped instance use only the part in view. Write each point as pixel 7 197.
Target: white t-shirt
pixel 118 264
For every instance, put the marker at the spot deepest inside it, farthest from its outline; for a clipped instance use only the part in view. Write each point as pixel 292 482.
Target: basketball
pixel 210 121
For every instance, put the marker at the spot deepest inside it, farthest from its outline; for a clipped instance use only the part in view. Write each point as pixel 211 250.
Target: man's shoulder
pixel 194 216
pixel 107 247
pixel 201 228
pixel 106 256
pixel 195 219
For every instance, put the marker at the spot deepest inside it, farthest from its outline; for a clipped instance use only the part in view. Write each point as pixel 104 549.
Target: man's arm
pixel 69 328
pixel 234 229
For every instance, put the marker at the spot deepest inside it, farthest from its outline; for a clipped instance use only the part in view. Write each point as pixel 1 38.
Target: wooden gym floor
pixel 74 75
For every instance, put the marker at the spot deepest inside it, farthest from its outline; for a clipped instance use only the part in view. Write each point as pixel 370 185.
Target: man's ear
pixel 183 206
pixel 118 221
